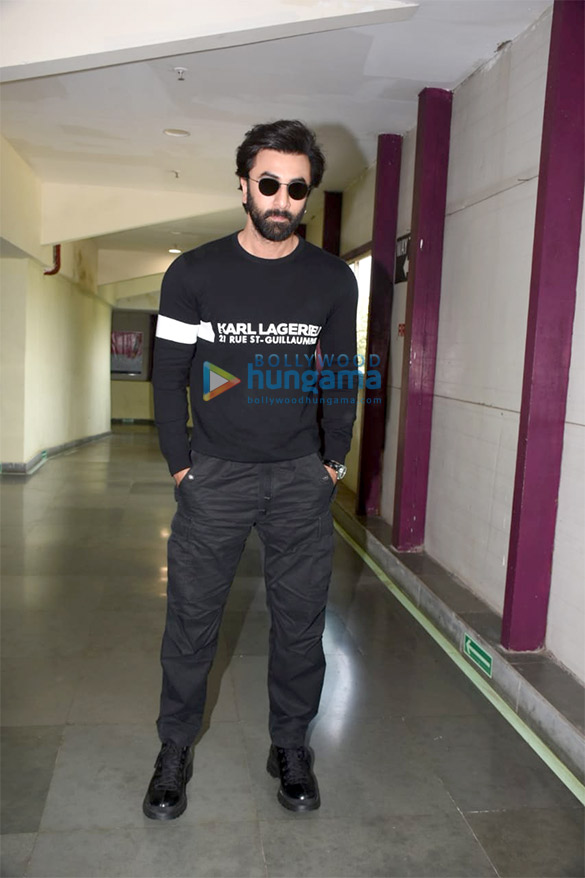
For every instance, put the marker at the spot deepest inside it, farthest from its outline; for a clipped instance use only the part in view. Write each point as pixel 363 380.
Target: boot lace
pixel 171 761
pixel 295 766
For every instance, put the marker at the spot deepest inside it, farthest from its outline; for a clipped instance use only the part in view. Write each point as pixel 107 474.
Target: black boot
pixel 166 797
pixel 298 785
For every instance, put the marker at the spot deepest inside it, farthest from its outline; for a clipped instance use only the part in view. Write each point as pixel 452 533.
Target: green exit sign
pixel 478 655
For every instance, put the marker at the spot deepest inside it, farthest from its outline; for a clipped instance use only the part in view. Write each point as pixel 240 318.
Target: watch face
pixel 339 468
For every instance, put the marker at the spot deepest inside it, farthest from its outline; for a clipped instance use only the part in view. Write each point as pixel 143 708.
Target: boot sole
pixel 151 812
pixel 290 804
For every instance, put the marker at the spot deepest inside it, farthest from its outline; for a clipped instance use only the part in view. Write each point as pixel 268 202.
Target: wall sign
pixel 402 259
pixel 126 351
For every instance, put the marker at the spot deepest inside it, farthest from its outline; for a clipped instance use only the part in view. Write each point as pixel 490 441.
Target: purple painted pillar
pixel 332 222
pixel 559 209
pixel 379 321
pixel 422 318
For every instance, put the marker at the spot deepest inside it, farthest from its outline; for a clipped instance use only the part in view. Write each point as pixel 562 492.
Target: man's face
pixel 276 217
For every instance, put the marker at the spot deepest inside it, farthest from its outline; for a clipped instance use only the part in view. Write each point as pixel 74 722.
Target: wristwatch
pixel 339 468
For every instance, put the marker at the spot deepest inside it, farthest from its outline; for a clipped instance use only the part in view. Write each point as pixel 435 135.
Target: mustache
pixel 283 213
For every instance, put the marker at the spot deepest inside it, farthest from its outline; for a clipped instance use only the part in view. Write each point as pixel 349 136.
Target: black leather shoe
pixel 166 797
pixel 298 785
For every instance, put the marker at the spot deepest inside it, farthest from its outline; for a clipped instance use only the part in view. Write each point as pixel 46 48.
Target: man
pixel 239 322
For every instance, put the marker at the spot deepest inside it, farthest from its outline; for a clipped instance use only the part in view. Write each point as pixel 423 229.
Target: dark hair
pixel 286 135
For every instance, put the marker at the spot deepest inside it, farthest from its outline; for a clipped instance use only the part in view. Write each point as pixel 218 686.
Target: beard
pixel 269 228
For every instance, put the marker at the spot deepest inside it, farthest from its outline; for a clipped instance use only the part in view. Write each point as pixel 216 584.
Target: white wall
pixel 357 211
pixel 67 363
pixel 566 614
pixel 55 330
pixel 121 265
pixel 12 344
pixel 132 399
pixel 491 201
pixel 495 144
pixel 20 203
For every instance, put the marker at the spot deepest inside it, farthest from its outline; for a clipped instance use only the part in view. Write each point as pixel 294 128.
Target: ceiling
pixel 104 127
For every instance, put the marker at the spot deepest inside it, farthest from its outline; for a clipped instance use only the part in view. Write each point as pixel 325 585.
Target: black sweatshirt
pixel 242 332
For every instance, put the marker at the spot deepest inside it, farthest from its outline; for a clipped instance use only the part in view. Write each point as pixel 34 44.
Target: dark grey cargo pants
pixel 219 501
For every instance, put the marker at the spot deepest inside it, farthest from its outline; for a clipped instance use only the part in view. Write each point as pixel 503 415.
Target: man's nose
pixel 282 198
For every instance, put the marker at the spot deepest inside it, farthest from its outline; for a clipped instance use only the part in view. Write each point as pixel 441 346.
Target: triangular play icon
pixel 216 380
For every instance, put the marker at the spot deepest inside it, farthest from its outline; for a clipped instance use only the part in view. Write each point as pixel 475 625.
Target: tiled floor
pixel 418 774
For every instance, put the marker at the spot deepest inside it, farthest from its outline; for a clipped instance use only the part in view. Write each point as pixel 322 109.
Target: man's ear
pixel 244 188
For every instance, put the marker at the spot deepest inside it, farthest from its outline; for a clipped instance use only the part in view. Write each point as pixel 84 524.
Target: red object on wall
pixel 56 261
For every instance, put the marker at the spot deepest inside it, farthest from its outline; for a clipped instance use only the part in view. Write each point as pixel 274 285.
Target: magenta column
pixel 422 318
pixel 332 222
pixel 559 209
pixel 379 320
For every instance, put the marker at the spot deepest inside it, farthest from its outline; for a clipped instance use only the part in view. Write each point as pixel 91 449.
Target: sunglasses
pixel 269 186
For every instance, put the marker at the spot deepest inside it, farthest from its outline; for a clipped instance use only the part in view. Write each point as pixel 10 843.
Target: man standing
pixel 239 322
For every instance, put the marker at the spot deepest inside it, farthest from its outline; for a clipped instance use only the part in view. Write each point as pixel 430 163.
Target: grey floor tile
pixel 60 631
pixel 100 778
pixel 248 593
pixel 419 563
pixel 28 760
pixel 487 623
pixel 336 637
pixel 84 541
pixel 38 691
pixel 455 595
pixel 221 787
pixel 431 845
pixel 64 559
pixel 151 488
pixel 46 592
pixel 157 513
pixel 15 853
pixel 486 771
pixel 246 633
pixel 473 732
pixel 375 615
pixel 230 850
pixel 375 761
pixel 116 688
pixel 394 686
pixel 532 843
pixel 562 690
pixel 250 563
pixel 129 593
pixel 121 631
pixel 249 673
pixel 74 520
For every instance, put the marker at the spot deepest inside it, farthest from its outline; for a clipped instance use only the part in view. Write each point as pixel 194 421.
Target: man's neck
pixel 256 244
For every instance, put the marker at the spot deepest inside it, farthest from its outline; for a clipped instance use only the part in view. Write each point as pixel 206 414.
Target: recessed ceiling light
pixel 174 250
pixel 176 132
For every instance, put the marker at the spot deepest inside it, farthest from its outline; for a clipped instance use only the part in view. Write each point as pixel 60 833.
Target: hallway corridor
pixel 419 775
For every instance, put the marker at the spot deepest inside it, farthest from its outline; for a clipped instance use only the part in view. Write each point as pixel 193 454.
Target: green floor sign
pixel 478 655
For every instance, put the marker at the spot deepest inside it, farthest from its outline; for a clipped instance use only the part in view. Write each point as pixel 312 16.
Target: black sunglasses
pixel 269 186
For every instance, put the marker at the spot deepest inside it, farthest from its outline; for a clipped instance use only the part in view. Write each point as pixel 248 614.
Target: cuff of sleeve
pixel 178 463
pixel 334 451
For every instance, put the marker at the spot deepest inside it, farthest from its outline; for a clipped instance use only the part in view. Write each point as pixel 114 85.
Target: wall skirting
pixel 32 465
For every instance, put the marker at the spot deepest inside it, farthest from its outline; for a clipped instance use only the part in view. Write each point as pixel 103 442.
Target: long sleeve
pixel 174 348
pixel 338 390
